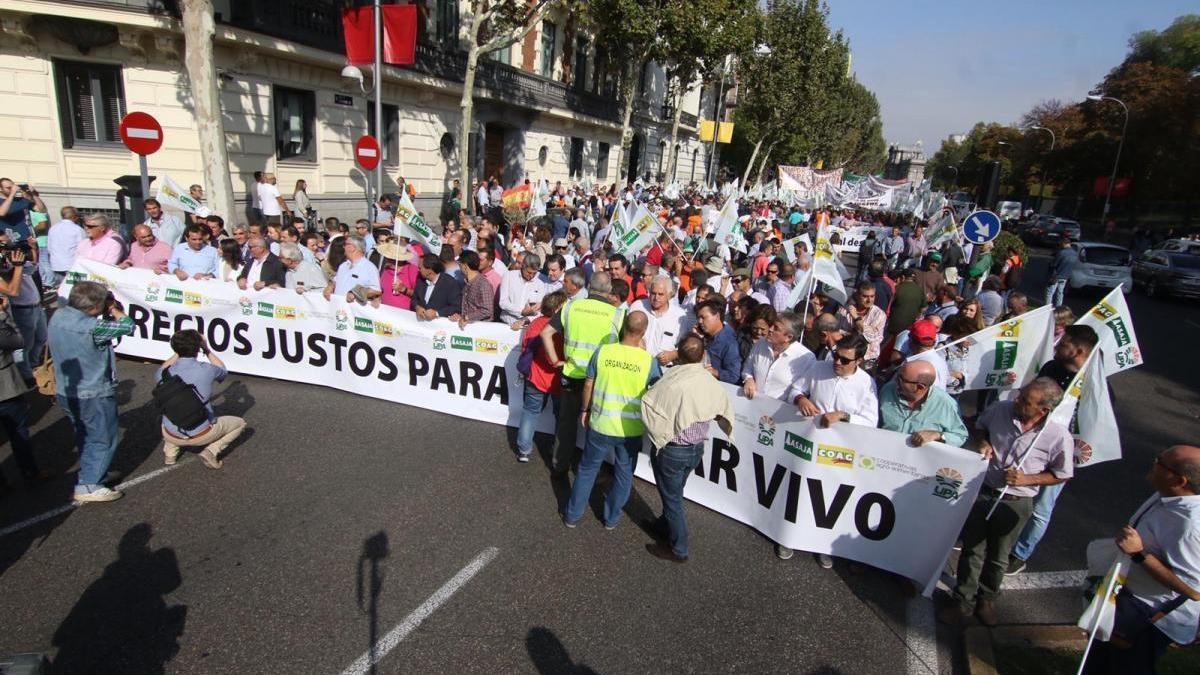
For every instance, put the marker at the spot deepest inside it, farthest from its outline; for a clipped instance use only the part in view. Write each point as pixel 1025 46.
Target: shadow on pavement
pixel 370 585
pixel 549 655
pixel 122 622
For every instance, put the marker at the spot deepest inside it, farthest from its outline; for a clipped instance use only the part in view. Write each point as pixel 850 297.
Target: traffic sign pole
pixel 145 177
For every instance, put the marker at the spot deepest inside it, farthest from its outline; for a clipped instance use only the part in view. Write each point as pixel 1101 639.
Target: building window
pixel 447 22
pixel 602 162
pixel 575 166
pixel 390 146
pixel 502 55
pixel 580 72
pixel 91 102
pixel 549 35
pixel 295 114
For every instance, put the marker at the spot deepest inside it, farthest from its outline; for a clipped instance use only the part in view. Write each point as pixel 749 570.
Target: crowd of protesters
pixel 632 345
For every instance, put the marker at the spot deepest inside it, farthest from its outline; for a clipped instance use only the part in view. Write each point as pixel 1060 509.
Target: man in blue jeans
pixel 677 412
pixel 81 337
pixel 617 377
pixel 1060 272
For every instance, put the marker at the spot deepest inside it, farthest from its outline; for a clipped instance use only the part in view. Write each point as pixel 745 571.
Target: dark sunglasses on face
pixel 842 360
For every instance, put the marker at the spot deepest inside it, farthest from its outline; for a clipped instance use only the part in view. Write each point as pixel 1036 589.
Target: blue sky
pixel 940 67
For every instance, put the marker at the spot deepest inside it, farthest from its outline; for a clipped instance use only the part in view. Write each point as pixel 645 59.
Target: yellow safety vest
pixel 621 373
pixel 587 324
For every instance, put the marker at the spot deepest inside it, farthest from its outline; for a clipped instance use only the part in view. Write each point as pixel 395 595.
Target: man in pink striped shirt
pixel 102 244
pixel 148 251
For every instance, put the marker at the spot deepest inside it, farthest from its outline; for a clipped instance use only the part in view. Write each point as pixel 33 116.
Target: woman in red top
pixel 543 380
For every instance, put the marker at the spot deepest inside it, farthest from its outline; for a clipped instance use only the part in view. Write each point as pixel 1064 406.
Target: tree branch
pixel 512 37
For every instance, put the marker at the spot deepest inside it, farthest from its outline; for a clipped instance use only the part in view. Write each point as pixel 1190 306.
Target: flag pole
pixel 380 128
pixel 810 282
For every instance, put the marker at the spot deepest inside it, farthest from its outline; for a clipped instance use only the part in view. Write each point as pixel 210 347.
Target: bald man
pixel 617 377
pixel 1160 602
pixel 911 404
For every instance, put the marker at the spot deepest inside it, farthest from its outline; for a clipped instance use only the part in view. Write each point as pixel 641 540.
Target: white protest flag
pixel 1114 324
pixel 171 194
pixel 1006 355
pixel 641 231
pixel 729 230
pixel 619 224
pixel 825 264
pixel 537 202
pixel 1097 618
pixel 409 223
pixel 1087 412
pixel 789 247
pixel 945 229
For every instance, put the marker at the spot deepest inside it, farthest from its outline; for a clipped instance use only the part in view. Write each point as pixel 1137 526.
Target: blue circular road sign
pixel 981 227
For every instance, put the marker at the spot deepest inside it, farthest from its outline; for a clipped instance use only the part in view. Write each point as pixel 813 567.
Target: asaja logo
pixel 284 312
pixel 152 291
pixel 384 329
pixel 832 455
pixel 192 299
pixel 1006 354
pixel 1120 332
pixel 439 340
pixel 947 484
pixel 174 295
pixel 364 325
pixel 766 431
pixel 246 305
pixel 798 445
pixel 266 309
pixel 461 342
pixel 75 277
pixel 1104 311
pixel 341 319
pixel 486 346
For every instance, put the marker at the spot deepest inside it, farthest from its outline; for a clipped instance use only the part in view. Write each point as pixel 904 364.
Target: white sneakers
pixel 98 494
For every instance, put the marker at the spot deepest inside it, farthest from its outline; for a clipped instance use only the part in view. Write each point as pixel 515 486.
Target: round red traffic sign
pixel 141 133
pixel 366 152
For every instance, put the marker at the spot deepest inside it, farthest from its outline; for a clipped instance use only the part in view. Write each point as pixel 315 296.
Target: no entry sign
pixel 366 152
pixel 141 133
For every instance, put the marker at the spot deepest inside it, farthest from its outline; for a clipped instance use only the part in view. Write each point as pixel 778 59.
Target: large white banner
pixel 850 491
pixel 1114 324
pixel 1006 355
pixel 853 237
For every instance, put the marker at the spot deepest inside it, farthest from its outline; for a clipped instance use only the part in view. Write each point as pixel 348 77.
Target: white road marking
pixel 65 508
pixel 920 634
pixel 410 623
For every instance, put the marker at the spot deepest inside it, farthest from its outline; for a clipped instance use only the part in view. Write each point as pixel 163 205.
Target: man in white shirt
pixel 665 320
pixel 553 277
pixel 356 270
pixel 838 390
pixel 521 292
pixel 481 198
pixel 777 360
pixel 62 241
pixel 165 226
pixel 273 205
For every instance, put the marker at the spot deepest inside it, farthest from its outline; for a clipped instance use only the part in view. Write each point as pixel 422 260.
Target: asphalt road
pixel 338 518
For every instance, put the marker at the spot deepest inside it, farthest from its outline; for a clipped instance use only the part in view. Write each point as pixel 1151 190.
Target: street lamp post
pixel 1042 180
pixel 712 149
pixel 1120 143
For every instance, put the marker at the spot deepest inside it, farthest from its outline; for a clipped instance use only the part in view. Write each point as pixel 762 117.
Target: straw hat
pixel 714 265
pixel 392 251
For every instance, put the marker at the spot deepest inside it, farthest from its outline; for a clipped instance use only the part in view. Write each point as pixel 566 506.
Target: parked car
pixel 1048 231
pixel 1102 266
pixel 1009 212
pixel 1168 273
pixel 1181 245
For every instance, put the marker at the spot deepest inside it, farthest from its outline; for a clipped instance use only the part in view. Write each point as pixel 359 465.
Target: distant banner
pixel 851 238
pixel 806 179
pixel 850 491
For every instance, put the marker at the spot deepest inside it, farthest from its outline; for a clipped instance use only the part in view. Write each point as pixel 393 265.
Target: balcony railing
pixel 318 23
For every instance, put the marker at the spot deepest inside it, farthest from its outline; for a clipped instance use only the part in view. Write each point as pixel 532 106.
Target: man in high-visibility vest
pixel 586 324
pixel 617 377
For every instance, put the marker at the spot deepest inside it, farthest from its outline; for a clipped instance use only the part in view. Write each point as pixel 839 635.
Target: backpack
pixel 179 401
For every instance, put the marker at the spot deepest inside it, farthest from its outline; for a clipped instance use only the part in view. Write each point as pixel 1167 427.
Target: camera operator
pixel 18 281
pixel 16 201
pixel 14 410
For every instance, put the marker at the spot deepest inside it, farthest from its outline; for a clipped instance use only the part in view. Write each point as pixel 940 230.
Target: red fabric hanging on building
pixel 399 34
pixel 357 26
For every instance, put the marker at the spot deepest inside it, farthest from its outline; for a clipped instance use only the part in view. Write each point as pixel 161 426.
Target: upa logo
pixel 364 325
pixel 439 340
pixel 947 484
pixel 462 342
pixel 246 305
pixel 384 329
pixel 832 455
pixel 341 319
pixel 766 431
pixel 1083 452
pixel 486 346
pixel 798 446
pixel 152 291
pixel 285 312
pixel 174 295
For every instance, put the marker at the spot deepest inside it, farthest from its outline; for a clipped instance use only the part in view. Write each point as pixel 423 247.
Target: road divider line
pixel 69 506
pixel 410 623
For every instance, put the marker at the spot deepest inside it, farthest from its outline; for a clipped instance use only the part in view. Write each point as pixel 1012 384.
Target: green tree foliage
pixel 1176 47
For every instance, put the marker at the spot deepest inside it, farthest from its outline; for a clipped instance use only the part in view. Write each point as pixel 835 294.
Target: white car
pixel 1102 266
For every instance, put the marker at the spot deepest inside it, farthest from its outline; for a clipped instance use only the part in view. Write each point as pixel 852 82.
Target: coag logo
pixel 284 312
pixel 766 431
pixel 384 329
pixel 364 325
pixel 1011 330
pixel 486 346
pixel 246 305
pixel 266 309
pixel 461 342
pixel 832 455
pixel 192 299
pixel 174 295
pixel 798 446
pixel 439 340
pixel 341 319
pixel 152 291
pixel 1104 311
pixel 947 484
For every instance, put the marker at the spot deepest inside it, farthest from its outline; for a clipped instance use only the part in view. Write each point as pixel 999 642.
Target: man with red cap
pixel 922 338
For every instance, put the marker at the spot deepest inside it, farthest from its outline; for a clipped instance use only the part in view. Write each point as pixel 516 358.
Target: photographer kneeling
pixel 191 398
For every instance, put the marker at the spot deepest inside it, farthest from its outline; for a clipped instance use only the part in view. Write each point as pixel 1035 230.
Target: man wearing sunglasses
pixel 911 404
pixel 1025 451
pixel 1160 601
